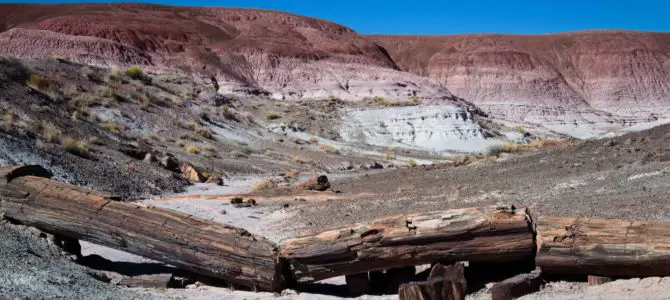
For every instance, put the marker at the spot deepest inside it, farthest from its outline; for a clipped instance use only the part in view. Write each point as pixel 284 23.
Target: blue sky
pixel 466 16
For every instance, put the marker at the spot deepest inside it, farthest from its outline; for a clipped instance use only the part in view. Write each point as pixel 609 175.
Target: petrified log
pixel 471 234
pixel 196 245
pixel 147 281
pixel 610 248
pixel 517 286
pixel 444 283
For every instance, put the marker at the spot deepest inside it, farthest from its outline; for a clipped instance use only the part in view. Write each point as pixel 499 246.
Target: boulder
pixel 316 183
pixel 191 174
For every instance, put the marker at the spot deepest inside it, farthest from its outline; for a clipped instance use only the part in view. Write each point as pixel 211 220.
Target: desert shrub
pixel 204 132
pixel 7 121
pixel 238 154
pixel 79 148
pixel 111 127
pixel 328 149
pixel 461 160
pixel 292 173
pixel 50 133
pixel 228 113
pixel 520 129
pixel 389 156
pixel 313 140
pixel 144 101
pixel 411 162
pixel 181 143
pixel 192 124
pixel 264 185
pixel 192 148
pixel 300 159
pixel 210 148
pixel 134 72
pixel 271 115
pixel 38 82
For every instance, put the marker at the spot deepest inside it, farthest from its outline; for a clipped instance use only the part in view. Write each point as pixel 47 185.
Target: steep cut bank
pixel 596 77
pixel 240 50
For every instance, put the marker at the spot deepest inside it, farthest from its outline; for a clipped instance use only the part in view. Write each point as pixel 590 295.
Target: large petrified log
pixel 471 234
pixel 200 246
pixel 616 248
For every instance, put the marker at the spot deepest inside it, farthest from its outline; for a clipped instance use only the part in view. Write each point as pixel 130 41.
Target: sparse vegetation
pixel 209 148
pixel 271 115
pixel 313 140
pixel 533 145
pixel 300 159
pixel 328 149
pixel 292 173
pixel 134 72
pixel 389 156
pixel 50 133
pixel 144 101
pixel 238 154
pixel 111 127
pixel 411 162
pixel 520 129
pixel 381 101
pixel 38 82
pixel 192 148
pixel 79 148
pixel 264 185
pixel 204 132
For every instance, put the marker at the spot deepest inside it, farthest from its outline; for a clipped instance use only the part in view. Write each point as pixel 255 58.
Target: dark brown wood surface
pixel 196 245
pixel 471 234
pixel 443 283
pixel 599 247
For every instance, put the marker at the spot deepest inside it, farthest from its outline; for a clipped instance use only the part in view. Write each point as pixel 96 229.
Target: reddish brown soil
pixel 195 33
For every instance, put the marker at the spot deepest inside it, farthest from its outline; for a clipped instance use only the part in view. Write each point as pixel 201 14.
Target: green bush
pixel 134 72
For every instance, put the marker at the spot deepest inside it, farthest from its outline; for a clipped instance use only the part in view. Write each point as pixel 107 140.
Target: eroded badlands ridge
pixel 242 50
pixel 578 75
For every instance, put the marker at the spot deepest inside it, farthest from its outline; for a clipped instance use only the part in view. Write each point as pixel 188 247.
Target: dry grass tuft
pixel 50 133
pixel 411 162
pixel 38 82
pixel 329 149
pixel 271 115
pixel 192 148
pixel 292 173
pixel 264 186
pixel 134 72
pixel 79 148
pixel 300 159
pixel 389 156
pixel 238 154
pixel 111 127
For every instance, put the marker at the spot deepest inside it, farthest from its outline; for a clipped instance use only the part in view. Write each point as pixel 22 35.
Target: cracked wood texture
pixel 616 248
pixel 470 234
pixel 196 245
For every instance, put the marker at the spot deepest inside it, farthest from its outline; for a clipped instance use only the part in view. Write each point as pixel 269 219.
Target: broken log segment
pixel 599 247
pixel 444 283
pixel 195 245
pixel 470 234
pixel 517 286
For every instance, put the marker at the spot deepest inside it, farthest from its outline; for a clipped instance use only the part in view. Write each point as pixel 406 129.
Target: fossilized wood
pixel 444 283
pixel 517 286
pixel 196 245
pixel 471 234
pixel 147 281
pixel 609 248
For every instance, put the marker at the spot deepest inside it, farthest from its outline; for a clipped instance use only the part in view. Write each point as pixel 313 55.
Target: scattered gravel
pixel 32 268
